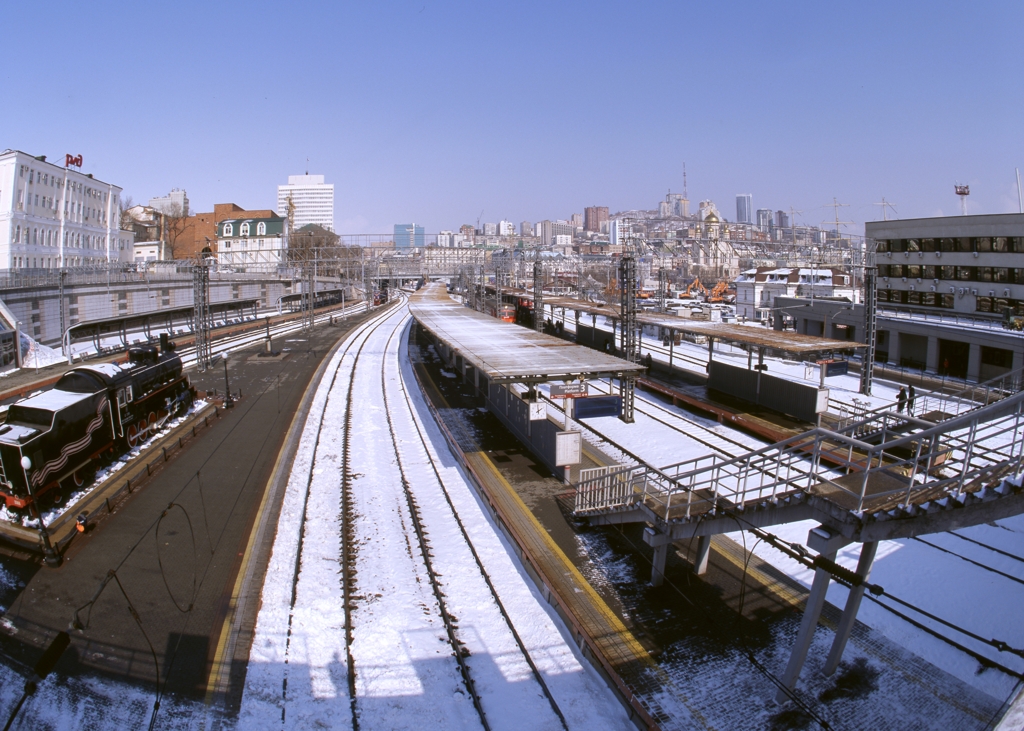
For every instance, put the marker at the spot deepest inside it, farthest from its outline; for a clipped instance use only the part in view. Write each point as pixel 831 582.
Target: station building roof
pixel 508 353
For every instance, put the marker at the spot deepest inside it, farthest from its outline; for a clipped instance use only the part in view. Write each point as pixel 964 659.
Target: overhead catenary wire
pixel 971 561
pixel 745 651
pixel 850 579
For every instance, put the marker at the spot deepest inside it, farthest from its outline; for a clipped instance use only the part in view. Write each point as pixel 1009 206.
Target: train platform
pixel 506 353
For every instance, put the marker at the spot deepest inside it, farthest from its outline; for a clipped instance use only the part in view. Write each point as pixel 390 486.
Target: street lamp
pixel 228 401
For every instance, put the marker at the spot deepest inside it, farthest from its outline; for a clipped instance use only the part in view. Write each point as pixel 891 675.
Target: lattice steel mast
pixel 201 324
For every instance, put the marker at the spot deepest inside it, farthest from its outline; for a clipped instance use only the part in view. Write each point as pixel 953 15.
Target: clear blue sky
pixel 433 112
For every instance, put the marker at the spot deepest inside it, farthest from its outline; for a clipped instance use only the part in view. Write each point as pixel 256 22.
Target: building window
pixel 984 304
pixel 243 230
pixel 261 229
pixel 229 230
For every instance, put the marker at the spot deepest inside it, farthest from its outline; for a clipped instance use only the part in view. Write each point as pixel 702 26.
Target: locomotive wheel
pixel 84 476
pixel 152 423
pixel 57 495
pixel 133 435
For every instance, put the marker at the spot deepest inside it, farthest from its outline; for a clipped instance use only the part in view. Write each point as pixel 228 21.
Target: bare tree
pixel 173 223
pixel 126 221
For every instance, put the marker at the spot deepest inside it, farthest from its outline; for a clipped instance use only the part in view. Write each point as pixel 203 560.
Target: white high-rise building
pixel 53 217
pixel 174 203
pixel 311 201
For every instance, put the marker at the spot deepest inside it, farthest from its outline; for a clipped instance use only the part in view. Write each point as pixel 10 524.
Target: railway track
pixel 392 508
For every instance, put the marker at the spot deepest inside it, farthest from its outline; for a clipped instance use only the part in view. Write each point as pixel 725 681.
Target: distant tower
pixel 744 208
pixel 963 191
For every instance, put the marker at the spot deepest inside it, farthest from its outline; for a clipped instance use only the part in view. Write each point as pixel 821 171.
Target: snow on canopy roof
pixel 743 335
pixel 505 352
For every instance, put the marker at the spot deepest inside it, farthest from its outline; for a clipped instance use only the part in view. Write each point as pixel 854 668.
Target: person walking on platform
pixel 901 400
pixel 911 397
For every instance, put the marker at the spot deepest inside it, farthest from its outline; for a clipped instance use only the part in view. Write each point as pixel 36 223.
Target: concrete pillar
pixel 1018 360
pixel 700 563
pixel 672 345
pixel 867 558
pixel 658 568
pixel 932 359
pixel 894 347
pixel 812 612
pixel 974 363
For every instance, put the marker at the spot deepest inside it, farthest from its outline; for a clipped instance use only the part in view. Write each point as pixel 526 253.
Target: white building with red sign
pixel 53 216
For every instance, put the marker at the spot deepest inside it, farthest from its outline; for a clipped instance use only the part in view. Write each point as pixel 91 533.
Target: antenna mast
pixel 963 191
pixel 886 204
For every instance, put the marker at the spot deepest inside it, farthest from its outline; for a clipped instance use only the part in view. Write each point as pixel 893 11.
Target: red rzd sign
pixel 72 161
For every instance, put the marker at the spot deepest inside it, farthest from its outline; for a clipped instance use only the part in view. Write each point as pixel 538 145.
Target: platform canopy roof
pixel 746 336
pixel 750 335
pixel 508 353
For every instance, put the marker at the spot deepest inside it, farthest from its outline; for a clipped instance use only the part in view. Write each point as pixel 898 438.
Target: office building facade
pixel 174 203
pixel 408 236
pixel 53 217
pixel 745 208
pixel 306 199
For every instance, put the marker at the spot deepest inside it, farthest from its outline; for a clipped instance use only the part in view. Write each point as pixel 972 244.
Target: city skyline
pixel 847 108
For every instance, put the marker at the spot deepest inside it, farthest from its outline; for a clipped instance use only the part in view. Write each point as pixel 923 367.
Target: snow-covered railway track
pixel 727 446
pixel 457 549
pixel 392 618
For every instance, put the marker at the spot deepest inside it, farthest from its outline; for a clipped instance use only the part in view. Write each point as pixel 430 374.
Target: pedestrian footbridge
pixel 887 475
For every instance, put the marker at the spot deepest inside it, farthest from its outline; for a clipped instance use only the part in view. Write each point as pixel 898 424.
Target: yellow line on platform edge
pixel 595 599
pixel 602 607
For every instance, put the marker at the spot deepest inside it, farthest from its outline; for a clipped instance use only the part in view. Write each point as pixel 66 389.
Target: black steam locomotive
pixel 53 442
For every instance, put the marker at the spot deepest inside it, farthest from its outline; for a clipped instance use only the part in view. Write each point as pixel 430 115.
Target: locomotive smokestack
pixel 165 343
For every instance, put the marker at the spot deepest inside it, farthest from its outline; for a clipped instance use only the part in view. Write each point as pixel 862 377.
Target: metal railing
pixel 943 459
pixel 851 417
